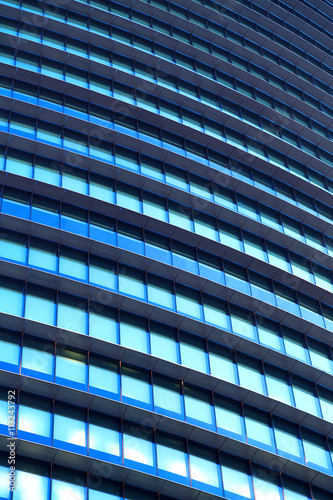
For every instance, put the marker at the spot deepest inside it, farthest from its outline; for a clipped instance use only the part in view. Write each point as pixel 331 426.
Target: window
pixel 305 398
pixel 172 460
pixel 73 263
pixel 204 469
pixel 138 448
pixel 163 343
pixel 188 302
pixel 160 292
pixel 288 442
pixel 193 353
pixel 237 481
pixel 38 356
pixel 265 486
pixel 133 333
pixel 242 322
pixel 71 368
pixel 250 375
pixel 103 377
pixel 34 417
pixel 136 387
pixel 102 323
pixel 43 254
pixel 104 437
pixel 222 364
pixel 132 282
pixel 102 272
pixel 72 314
pixel 29 486
pixel 198 408
pixel 258 429
pixel 11 296
pixel 9 349
pixel 69 428
pixel 229 419
pixel 168 399
pixel 278 386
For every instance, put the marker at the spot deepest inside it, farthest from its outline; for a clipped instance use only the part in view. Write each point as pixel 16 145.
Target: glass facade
pixel 166 250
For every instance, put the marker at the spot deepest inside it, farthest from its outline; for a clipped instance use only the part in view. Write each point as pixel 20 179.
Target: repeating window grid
pixel 54 480
pixel 244 178
pixel 38 358
pixel 60 258
pixel 251 413
pixel 240 40
pixel 248 212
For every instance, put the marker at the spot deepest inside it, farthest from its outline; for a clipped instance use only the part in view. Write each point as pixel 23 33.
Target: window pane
pixel 236 478
pixel 133 333
pixel 102 323
pixel 135 385
pixel 62 490
pixel 30 486
pixel 40 305
pixel 171 456
pixel 72 314
pixel 163 343
pixel 192 353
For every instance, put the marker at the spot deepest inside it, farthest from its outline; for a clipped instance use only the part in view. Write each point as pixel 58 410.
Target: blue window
pixel 34 420
pixel 193 353
pixel 132 282
pixel 266 486
pixel 104 438
pixel 13 246
pixel 278 385
pixel 204 470
pixel 103 377
pixel 305 398
pixel 62 489
pixel 188 302
pixel 133 333
pixel 250 376
pixel 74 220
pixel 102 272
pixel 37 358
pixel 72 314
pixel 242 323
pixel 103 323
pixel 43 255
pixel 229 419
pixel 237 481
pixel 70 428
pixel 168 398
pixel 26 481
pixel 172 459
pixel 11 296
pixel 258 429
pixel 40 304
pixel 198 408
pixel 316 451
pixel 71 368
pixel 288 442
pixel 9 350
pixel 163 343
pixel 73 263
pixel 139 450
pixel 160 292
pixel 215 312
pixel 222 364
pixel 136 387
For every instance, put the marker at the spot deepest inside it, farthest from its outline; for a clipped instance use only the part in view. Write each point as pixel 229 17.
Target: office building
pixel 166 250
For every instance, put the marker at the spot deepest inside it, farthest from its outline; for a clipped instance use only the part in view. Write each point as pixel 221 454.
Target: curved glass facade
pixel 166 250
